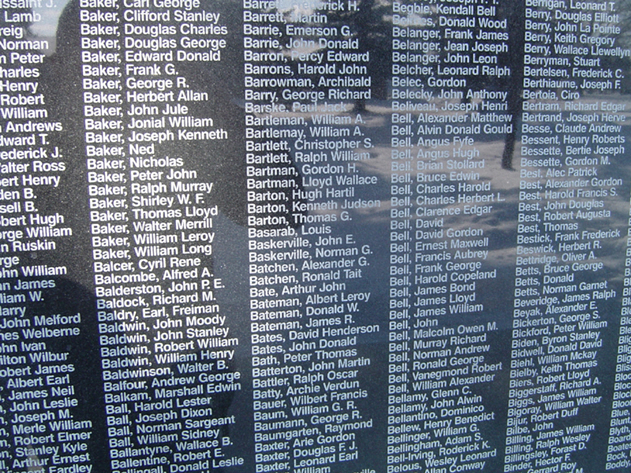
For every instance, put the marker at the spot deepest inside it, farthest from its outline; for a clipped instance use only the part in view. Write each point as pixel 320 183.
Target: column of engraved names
pixel 38 398
pixel 270 181
pixel 309 50
pixel 566 230
pixel 452 107
pixel 159 320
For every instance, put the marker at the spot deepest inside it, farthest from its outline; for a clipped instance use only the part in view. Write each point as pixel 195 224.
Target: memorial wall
pixel 346 236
